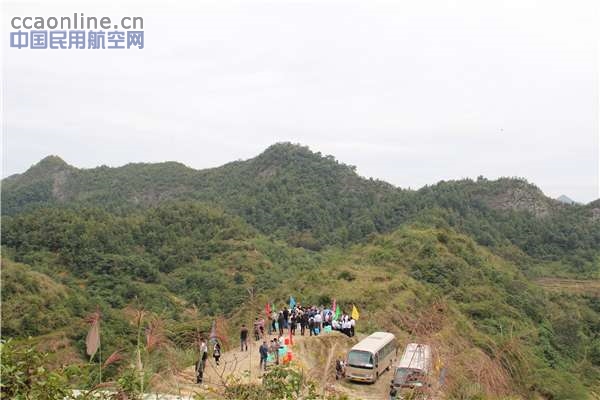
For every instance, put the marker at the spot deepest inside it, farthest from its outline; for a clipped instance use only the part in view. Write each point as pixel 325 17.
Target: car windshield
pixel 408 376
pixel 360 359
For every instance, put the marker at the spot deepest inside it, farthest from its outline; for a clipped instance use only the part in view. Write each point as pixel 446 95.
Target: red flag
pixel 92 340
pixel 268 309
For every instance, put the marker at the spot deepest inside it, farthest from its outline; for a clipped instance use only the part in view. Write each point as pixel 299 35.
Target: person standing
pixel 293 323
pixel 274 322
pixel 339 369
pixel 256 329
pixel 346 327
pixel 199 371
pixel 318 323
pixel 286 318
pixel 244 338
pixel 261 327
pixel 280 322
pixel 263 350
pixel 217 352
pixel 203 353
pixel 303 322
pixel 274 348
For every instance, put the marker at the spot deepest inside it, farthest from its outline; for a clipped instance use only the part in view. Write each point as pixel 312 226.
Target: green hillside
pixel 311 201
pixel 455 264
pixel 288 190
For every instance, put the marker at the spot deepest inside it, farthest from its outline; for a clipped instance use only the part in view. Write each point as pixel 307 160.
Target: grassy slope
pixel 489 325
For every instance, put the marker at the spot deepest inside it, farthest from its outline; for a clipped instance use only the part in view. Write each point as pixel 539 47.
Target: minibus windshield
pixel 360 359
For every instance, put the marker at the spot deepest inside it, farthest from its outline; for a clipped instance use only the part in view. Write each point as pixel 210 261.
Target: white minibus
pixel 370 357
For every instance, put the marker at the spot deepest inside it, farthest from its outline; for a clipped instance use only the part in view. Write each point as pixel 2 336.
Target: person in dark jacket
pixel 199 371
pixel 293 323
pixel 263 350
pixel 244 338
pixel 303 323
pixel 286 316
pixel 280 322
pixel 217 352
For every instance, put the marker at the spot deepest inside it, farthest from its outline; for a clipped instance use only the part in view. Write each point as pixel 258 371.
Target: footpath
pixel 313 355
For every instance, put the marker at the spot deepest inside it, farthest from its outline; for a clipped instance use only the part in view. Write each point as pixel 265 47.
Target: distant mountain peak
pixel 49 164
pixel 287 154
pixel 286 149
pixel 52 160
pixel 565 199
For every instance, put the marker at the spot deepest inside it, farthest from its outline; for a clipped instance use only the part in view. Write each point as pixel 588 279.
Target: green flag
pixel 338 313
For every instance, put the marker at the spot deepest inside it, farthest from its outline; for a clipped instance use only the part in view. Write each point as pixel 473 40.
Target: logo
pixel 77 32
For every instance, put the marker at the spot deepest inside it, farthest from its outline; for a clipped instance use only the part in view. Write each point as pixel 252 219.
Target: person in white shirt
pixel 346 327
pixel 335 325
pixel 203 353
pixel 201 364
pixel 319 322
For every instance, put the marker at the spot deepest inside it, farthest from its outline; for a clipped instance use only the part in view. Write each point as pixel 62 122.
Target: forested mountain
pixel 188 246
pixel 311 200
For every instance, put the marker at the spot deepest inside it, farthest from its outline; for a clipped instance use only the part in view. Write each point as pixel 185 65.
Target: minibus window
pixel 361 359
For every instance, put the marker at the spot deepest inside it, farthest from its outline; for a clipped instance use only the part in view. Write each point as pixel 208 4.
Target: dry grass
pixel 578 286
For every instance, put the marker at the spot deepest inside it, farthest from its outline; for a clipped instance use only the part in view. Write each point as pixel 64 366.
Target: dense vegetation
pixel 451 263
pixel 312 201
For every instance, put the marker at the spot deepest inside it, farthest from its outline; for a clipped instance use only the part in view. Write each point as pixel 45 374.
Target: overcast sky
pixel 409 92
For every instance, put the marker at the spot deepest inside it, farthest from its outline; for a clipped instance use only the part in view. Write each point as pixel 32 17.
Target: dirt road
pixel 315 356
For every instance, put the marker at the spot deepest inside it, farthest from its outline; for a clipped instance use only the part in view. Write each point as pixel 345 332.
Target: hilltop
pixel 566 199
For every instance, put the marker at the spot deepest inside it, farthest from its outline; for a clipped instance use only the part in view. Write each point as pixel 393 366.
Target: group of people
pixel 272 347
pixel 303 319
pixel 201 364
pixel 287 321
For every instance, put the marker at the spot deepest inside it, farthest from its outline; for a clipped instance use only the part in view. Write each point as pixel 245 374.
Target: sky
pixel 409 92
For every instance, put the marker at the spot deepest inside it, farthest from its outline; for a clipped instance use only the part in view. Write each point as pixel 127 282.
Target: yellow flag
pixel 355 313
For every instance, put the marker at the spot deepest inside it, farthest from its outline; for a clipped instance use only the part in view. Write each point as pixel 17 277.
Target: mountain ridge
pixel 264 165
pixel 307 199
